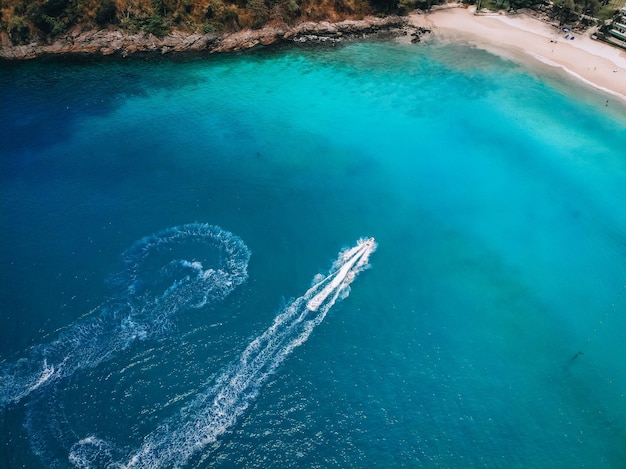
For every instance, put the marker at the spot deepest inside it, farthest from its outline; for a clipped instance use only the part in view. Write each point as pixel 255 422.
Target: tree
pixel 592 7
pixel 386 6
pixel 564 9
pixel 283 10
pixel 229 18
pixel 155 24
pixel 406 6
pixel 260 11
pixel 55 8
pixel 106 13
pixel 19 32
pixel 519 4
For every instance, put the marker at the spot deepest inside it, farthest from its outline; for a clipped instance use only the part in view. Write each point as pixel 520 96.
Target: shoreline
pixel 521 38
pixel 104 43
pixel 530 41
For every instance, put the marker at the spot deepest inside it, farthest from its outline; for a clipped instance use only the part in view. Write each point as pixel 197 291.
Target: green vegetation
pixel 564 11
pixel 106 13
pixel 608 10
pixel 43 20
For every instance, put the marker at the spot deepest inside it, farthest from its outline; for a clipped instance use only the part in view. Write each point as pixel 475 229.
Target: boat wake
pixel 158 282
pixel 149 292
pixel 217 407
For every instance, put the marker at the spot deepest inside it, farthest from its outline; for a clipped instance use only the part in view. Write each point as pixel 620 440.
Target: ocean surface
pixel 187 278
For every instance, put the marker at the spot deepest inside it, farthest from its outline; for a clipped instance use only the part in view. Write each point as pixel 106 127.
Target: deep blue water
pixel 495 194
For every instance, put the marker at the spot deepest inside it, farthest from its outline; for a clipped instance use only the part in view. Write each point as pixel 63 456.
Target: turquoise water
pixel 496 200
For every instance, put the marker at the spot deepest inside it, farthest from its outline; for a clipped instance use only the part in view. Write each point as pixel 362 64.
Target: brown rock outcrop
pixel 109 42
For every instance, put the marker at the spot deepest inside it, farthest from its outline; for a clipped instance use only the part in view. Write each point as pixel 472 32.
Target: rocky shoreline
pixel 108 42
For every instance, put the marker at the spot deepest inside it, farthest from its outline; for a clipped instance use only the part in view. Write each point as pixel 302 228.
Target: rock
pixel 418 32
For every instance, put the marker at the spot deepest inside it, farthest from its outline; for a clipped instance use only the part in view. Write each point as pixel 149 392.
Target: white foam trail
pixel 137 312
pixel 215 410
pixel 358 255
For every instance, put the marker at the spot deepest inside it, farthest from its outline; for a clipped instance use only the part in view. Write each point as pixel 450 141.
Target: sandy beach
pixel 521 37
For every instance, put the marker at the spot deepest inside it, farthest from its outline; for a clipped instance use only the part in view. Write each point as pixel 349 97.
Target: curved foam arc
pixel 132 315
pixel 212 412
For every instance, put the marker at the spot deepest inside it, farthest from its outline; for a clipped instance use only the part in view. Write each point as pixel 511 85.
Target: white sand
pixel 519 37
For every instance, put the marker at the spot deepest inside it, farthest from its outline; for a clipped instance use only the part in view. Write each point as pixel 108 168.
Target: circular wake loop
pixel 150 291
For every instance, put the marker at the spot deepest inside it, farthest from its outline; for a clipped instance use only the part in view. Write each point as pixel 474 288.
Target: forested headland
pixel 43 20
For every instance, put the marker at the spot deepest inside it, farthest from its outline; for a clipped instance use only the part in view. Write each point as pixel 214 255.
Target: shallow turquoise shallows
pixel 163 220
